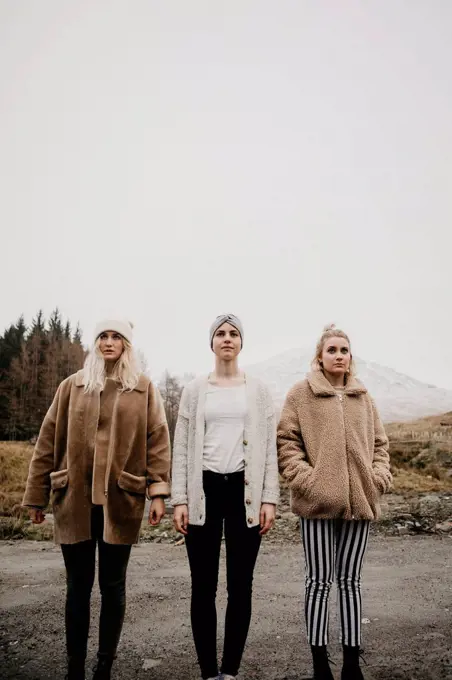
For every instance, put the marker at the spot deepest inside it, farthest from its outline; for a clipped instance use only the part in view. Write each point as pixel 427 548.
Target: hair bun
pixel 329 327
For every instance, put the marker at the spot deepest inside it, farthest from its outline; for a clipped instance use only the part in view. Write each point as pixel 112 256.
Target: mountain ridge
pixel 399 397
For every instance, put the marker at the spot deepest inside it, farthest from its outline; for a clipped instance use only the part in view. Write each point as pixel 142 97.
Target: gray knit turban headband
pixel 226 318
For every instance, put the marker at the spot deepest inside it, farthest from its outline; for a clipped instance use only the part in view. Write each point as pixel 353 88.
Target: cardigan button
pixel 250 520
pixel 248 501
pixel 245 442
pixel 246 482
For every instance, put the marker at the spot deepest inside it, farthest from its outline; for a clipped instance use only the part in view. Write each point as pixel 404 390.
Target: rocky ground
pixel 407 589
pixel 402 515
pixel 407 616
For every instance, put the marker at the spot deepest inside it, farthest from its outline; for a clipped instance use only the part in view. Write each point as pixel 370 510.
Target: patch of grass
pixel 164 533
pixel 408 480
pixel 14 463
pixel 420 465
pixel 429 426
pixel 15 528
pixel 421 453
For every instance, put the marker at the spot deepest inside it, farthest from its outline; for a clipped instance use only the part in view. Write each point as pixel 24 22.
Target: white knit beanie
pixel 122 327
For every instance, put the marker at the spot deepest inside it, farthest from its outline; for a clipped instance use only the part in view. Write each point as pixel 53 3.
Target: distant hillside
pixel 399 397
pixel 424 445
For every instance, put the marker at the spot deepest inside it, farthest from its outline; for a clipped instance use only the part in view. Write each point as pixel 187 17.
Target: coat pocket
pixel 307 483
pixel 132 483
pixel 59 479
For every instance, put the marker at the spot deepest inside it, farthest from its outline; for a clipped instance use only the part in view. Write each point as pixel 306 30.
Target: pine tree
pixel 77 335
pixel 171 391
pixel 32 364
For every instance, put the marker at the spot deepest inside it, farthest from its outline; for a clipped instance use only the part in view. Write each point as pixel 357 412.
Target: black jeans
pixel 80 562
pixel 225 503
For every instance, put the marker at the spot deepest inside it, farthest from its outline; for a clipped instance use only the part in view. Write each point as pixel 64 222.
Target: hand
pixel 37 515
pixel 156 511
pixel 181 519
pixel 267 517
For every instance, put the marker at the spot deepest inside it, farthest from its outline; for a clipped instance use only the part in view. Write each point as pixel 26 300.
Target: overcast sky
pixel 287 161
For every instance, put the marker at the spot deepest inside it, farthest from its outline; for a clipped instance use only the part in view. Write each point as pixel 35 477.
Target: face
pixel 111 345
pixel 227 342
pixel 336 356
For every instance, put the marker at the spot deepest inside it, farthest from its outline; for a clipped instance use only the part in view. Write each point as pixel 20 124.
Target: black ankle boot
pixel 351 669
pixel 75 668
pixel 102 671
pixel 322 670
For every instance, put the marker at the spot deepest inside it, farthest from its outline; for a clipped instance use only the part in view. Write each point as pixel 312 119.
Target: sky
pixel 288 162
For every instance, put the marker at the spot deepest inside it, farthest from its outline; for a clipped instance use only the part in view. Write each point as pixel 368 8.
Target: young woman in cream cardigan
pixel 224 476
pixel 333 454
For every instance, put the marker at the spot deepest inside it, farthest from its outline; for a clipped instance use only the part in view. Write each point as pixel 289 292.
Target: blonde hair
pixel 127 369
pixel 330 332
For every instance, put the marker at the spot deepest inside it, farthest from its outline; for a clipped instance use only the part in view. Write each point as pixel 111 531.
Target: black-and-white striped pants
pixel 334 547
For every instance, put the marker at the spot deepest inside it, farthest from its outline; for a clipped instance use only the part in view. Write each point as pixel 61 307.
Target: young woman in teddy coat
pixel 103 446
pixel 333 454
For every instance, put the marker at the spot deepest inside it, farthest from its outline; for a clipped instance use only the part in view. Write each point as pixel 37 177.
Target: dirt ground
pixel 407 592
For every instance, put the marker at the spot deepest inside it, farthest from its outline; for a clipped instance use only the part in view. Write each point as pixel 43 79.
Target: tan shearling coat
pixel 105 448
pixel 333 450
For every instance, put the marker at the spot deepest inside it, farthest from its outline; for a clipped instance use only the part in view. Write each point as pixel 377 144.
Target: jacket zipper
pixel 341 399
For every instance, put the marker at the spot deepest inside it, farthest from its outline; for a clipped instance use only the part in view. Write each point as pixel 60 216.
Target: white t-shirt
pixel 225 412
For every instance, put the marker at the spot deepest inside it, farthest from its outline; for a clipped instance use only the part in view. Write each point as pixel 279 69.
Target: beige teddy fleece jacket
pixel 333 450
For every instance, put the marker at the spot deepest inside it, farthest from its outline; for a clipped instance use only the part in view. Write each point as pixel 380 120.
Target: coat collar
pixel 141 386
pixel 322 388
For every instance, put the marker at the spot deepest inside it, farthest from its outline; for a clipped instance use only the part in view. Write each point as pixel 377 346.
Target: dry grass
pixel 409 481
pixel 14 528
pixel 430 426
pixel 14 461
pixel 421 456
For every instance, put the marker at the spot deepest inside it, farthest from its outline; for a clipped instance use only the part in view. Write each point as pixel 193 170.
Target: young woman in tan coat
pixel 103 446
pixel 333 454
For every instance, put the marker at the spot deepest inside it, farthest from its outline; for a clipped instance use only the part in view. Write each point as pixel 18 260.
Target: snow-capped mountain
pixel 398 396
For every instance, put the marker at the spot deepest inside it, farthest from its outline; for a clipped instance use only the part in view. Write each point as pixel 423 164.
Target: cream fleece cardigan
pixel 259 439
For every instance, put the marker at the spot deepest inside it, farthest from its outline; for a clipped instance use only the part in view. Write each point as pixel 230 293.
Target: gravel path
pixel 407 591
